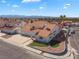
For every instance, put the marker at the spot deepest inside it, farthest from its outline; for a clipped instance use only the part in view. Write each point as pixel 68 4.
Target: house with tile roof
pixel 9 25
pixel 41 30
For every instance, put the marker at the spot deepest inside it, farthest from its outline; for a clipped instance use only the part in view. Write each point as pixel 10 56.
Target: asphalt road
pixel 74 40
pixel 8 51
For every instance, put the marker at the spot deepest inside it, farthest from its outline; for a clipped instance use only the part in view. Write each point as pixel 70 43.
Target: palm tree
pixel 62 17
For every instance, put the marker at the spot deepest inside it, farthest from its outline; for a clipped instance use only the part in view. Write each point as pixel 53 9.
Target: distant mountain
pixel 33 16
pixel 12 16
pixel 21 16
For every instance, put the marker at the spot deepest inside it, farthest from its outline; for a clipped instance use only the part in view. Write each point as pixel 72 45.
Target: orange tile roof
pixel 39 24
pixel 44 33
pixel 26 28
pixel 51 26
pixel 9 22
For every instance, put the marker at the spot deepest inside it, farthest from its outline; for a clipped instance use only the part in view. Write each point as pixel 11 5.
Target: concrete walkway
pixel 2 34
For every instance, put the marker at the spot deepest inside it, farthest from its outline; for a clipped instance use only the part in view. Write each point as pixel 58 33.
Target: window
pixel 40 37
pixel 50 37
pixel 54 31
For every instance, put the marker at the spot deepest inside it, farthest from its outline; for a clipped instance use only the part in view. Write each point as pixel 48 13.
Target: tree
pixel 62 17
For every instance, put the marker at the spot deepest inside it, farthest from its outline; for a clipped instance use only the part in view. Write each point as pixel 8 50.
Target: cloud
pixel 67 4
pixel 25 1
pixel 44 5
pixel 15 6
pixel 64 7
pixel 3 1
pixel 41 7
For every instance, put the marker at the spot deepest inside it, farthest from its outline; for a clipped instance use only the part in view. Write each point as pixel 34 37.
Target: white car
pixel 71 31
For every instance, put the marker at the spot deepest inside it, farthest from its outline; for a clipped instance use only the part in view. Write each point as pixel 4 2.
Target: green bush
pixel 54 44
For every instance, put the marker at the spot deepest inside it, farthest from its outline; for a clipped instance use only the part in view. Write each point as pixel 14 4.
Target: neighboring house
pixel 42 31
pixel 67 23
pixel 75 24
pixel 9 31
pixel 9 25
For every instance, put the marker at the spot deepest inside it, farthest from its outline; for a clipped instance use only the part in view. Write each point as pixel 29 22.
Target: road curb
pixel 37 51
pixel 70 48
pixel 32 49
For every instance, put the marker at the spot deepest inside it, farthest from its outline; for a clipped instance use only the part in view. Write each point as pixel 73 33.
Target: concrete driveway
pixel 2 34
pixel 18 39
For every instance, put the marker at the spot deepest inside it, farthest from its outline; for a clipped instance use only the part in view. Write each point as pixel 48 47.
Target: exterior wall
pixel 54 32
pixel 30 34
pixel 27 33
pixel 9 31
pixel 41 40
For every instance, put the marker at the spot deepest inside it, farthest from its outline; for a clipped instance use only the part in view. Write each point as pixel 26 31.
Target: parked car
pixel 71 31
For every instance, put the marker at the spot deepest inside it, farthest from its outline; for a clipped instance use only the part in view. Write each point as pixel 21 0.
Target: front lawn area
pixel 54 44
pixel 38 44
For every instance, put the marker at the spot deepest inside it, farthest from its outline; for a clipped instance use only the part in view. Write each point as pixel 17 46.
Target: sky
pixel 70 8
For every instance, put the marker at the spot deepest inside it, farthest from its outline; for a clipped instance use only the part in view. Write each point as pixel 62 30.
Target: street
pixel 8 51
pixel 74 41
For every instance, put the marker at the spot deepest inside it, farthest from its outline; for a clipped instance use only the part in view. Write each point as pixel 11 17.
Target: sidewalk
pixel 68 55
pixel 70 48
